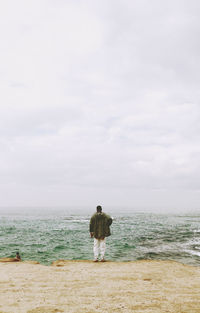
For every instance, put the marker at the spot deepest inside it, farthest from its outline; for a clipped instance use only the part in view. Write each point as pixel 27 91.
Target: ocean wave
pixel 193 252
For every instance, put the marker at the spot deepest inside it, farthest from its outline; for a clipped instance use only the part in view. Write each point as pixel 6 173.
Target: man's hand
pixel 91 235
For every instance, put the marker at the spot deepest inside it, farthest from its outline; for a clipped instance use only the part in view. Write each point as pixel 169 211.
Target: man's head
pixel 99 209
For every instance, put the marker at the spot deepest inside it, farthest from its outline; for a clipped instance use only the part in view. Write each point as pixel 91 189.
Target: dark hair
pixel 99 208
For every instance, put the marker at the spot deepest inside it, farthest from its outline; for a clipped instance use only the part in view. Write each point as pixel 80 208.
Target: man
pixel 99 230
pixel 18 257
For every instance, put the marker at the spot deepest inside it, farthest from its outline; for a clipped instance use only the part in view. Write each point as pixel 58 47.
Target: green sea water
pixel 49 235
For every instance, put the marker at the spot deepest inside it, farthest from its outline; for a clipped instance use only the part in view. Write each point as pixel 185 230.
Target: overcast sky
pixel 100 103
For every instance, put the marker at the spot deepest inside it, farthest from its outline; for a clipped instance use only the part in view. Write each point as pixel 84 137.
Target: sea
pixel 49 234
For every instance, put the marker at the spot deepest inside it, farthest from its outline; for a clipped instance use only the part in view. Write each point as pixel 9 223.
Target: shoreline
pixel 62 262
pixel 83 286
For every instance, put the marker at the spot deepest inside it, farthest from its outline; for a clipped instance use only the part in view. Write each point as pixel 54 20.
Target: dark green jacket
pixel 100 225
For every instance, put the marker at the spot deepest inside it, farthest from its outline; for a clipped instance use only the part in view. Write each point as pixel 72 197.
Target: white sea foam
pixel 193 252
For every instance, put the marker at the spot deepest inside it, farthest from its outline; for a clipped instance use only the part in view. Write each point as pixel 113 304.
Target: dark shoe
pixel 96 260
pixel 103 260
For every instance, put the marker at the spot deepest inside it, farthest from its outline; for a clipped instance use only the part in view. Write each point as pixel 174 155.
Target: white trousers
pixel 99 248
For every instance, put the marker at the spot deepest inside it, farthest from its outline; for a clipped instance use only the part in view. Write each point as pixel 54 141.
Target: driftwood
pixel 9 260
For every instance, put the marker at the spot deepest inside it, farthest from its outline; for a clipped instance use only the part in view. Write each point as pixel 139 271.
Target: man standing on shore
pixel 99 230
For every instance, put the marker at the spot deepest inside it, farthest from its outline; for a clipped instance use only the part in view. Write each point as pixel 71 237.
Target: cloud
pixel 102 99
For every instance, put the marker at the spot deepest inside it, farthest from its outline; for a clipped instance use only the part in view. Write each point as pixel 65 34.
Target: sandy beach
pixel 87 287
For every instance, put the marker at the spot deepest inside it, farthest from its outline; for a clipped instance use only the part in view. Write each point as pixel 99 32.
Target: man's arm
pixel 91 229
pixel 109 220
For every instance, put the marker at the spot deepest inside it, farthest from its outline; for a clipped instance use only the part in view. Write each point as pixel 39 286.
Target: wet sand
pixel 88 287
